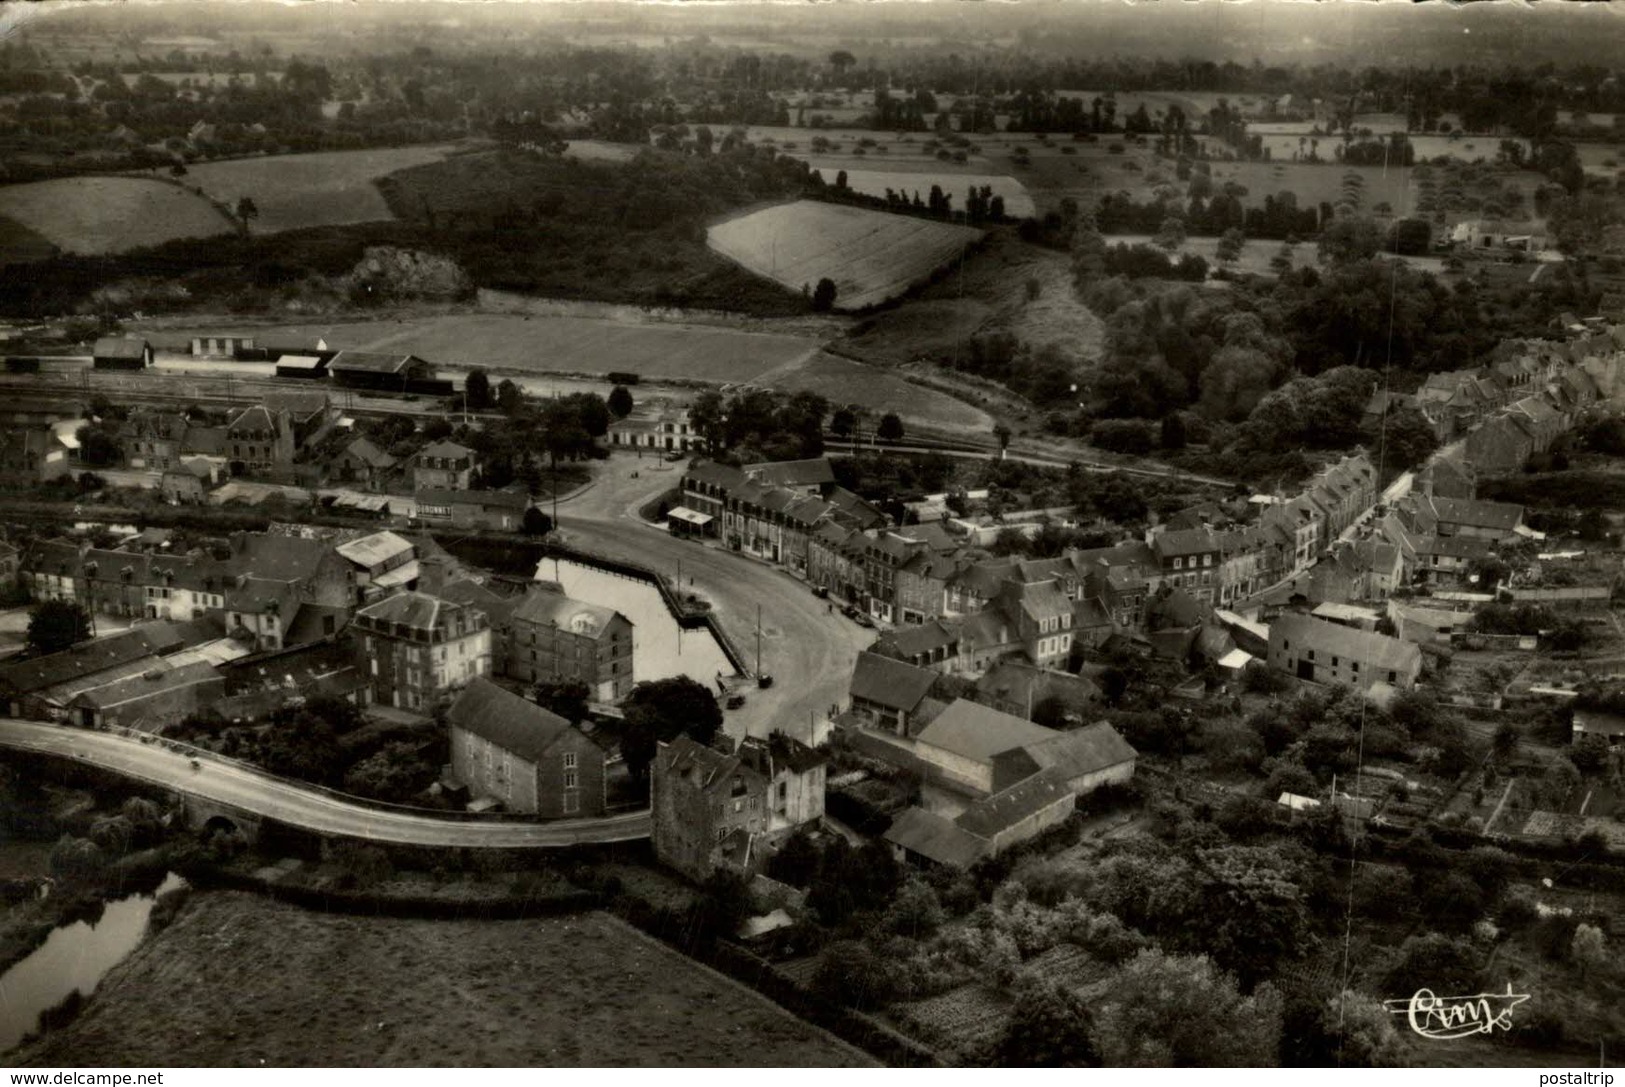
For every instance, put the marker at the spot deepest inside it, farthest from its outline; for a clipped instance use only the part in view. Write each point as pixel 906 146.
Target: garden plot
pixel 871 256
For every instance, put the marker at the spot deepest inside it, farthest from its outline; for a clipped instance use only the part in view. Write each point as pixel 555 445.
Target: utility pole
pixel 758 641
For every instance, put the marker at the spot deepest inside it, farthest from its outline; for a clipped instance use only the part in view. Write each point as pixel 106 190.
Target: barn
pixel 370 370
pixel 119 353
pixel 302 366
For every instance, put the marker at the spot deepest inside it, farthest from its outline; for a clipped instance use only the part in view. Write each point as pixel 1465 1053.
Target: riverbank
pixel 240 980
pixel 25 926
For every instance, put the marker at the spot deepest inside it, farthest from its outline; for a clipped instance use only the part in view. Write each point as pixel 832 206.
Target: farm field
pixel 1017 202
pixel 601 151
pixel 562 344
pixel 871 256
pixel 19 245
pixel 327 188
pixel 239 980
pixel 1604 159
pixel 96 215
pixel 842 381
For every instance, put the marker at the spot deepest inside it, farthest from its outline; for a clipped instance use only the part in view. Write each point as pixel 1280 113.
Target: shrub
pixel 849 973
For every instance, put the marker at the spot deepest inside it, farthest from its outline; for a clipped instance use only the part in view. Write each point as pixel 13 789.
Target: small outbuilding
pixel 121 353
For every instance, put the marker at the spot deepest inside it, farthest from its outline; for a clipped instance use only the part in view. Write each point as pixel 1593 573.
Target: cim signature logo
pixel 1442 1017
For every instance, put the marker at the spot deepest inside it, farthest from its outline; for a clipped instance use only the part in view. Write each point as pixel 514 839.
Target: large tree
pixel 568 698
pixel 1048 1028
pixel 55 625
pixel 659 711
pixel 620 402
pixel 477 389
pixel 1167 1011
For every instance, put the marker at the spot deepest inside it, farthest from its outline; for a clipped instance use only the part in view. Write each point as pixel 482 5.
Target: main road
pixel 808 647
pixel 241 787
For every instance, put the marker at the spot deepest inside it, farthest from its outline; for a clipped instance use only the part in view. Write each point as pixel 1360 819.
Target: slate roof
pixel 372 362
pixel 299 403
pixel 1176 609
pixel 1008 807
pixel 119 347
pixel 978 732
pixel 420 611
pixel 1196 541
pixel 916 639
pixel 934 534
pixel 257 418
pixel 498 609
pixel 984 579
pixel 711 768
pixel 777 751
pixel 1041 600
pixel 1083 751
pixel 1019 682
pixel 555 609
pixel 725 476
pixel 447 450
pixel 937 839
pixel 985 630
pixel 364 450
pixel 277 558
pixel 1503 516
pixel 792 473
pixel 514 724
pixel 88 658
pixel 142 685
pixel 890 683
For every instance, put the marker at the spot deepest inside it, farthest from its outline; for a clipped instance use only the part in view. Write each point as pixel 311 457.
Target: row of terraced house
pixel 1518 404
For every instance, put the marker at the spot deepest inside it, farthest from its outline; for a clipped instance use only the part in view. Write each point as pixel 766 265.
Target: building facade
pixel 554 639
pixel 417 648
pixel 508 749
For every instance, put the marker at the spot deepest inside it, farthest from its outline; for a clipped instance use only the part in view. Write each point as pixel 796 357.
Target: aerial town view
pixel 1066 533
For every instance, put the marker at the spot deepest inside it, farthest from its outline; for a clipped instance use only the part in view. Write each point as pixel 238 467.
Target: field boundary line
pixel 864 1056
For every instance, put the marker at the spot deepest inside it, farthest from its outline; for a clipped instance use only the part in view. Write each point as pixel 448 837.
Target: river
pixel 74 957
pixel 661 648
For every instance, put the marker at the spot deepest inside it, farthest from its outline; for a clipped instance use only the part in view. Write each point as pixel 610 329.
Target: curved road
pixel 236 786
pixel 807 649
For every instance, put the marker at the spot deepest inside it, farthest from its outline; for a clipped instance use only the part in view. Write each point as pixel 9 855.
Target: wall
pixel 1034 824
pixel 1111 775
pixel 489 770
pixel 954 769
pixel 589 778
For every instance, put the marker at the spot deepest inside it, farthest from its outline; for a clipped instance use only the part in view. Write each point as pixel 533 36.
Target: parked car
pixel 820 592
pixel 863 620
pixel 735 701
pixel 675 455
pixel 850 612
pixel 764 681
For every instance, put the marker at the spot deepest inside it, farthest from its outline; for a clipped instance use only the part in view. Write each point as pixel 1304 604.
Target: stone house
pixel 555 639
pixel 444 466
pixel 418 647
pixel 508 749
pixel 708 809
